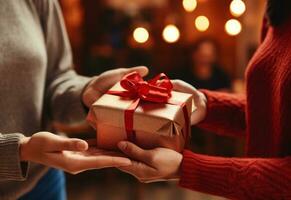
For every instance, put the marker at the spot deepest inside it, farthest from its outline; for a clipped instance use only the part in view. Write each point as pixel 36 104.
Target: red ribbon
pixel 156 90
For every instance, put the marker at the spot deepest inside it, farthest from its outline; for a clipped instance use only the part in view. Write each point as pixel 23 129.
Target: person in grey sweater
pixel 37 86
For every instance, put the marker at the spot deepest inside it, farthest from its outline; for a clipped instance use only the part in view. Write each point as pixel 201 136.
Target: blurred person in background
pixel 38 86
pixel 261 116
pixel 203 69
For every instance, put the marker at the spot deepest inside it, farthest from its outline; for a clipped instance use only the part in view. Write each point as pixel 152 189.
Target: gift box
pixel 149 114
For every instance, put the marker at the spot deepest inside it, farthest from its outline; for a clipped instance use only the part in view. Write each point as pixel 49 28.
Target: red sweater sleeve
pixel 225 113
pixel 237 178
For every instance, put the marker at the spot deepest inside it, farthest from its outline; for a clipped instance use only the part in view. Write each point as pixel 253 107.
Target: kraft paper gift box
pixel 154 124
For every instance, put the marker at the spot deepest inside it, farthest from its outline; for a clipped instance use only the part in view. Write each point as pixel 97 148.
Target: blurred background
pixel 207 43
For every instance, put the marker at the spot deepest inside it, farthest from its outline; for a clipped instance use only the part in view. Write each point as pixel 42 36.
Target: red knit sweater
pixel 263 117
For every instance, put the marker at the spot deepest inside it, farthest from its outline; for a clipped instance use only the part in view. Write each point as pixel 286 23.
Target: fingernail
pixel 81 145
pixel 122 145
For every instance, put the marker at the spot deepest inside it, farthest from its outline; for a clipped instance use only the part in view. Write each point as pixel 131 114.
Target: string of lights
pixel 171 32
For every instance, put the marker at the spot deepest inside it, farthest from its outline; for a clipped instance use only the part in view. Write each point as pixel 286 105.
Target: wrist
pixel 23 149
pixel 177 173
pixel 180 166
pixel 203 105
pixel 200 112
pixel 203 97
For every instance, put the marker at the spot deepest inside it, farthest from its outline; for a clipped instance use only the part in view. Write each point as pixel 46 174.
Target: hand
pixel 151 165
pixel 199 99
pixel 70 155
pixel 100 84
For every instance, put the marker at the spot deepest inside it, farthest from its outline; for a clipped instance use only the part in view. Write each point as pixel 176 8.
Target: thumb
pixel 135 152
pixel 58 143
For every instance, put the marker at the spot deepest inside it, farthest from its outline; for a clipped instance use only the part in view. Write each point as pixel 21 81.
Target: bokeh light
pixel 233 27
pixel 141 35
pixel 202 23
pixel 171 33
pixel 237 8
pixel 189 5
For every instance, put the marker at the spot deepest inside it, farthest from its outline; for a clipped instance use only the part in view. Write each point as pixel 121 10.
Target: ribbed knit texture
pixel 263 117
pixel 237 178
pixel 10 165
pixel 233 107
pixel 37 85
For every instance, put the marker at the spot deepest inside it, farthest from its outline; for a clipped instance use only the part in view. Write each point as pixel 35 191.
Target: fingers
pixel 199 100
pixel 182 86
pixel 108 161
pixel 58 143
pixel 107 79
pixel 93 151
pixel 75 162
pixel 117 74
pixel 135 152
pixel 142 70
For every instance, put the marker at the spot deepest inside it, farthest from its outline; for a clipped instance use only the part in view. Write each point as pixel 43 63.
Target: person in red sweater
pixel 262 117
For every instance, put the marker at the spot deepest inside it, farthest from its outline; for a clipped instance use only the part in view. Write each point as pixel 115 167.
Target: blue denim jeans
pixel 52 186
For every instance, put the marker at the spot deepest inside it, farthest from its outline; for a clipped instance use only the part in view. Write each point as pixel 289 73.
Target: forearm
pixel 11 166
pixel 63 97
pixel 237 178
pixel 64 94
pixel 225 114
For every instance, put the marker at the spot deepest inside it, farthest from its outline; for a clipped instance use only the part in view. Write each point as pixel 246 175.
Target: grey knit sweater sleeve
pixel 11 168
pixel 63 85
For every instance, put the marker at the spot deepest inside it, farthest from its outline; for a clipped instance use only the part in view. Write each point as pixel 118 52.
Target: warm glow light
pixel 171 33
pixel 237 8
pixel 189 5
pixel 233 27
pixel 202 23
pixel 140 35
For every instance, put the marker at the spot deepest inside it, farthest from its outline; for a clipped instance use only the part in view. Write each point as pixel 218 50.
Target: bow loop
pixel 157 89
pixel 162 81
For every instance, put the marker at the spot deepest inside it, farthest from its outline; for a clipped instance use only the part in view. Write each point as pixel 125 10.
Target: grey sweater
pixel 37 85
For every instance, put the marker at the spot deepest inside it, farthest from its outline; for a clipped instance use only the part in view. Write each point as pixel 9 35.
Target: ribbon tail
pixel 128 120
pixel 187 125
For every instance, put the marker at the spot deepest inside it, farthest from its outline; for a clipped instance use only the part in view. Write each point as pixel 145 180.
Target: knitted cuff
pixel 203 173
pixel 11 168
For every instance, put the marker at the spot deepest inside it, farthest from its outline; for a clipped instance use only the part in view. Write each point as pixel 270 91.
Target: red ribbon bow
pixel 156 90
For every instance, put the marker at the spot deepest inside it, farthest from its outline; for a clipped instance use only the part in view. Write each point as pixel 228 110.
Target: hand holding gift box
pixel 149 114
